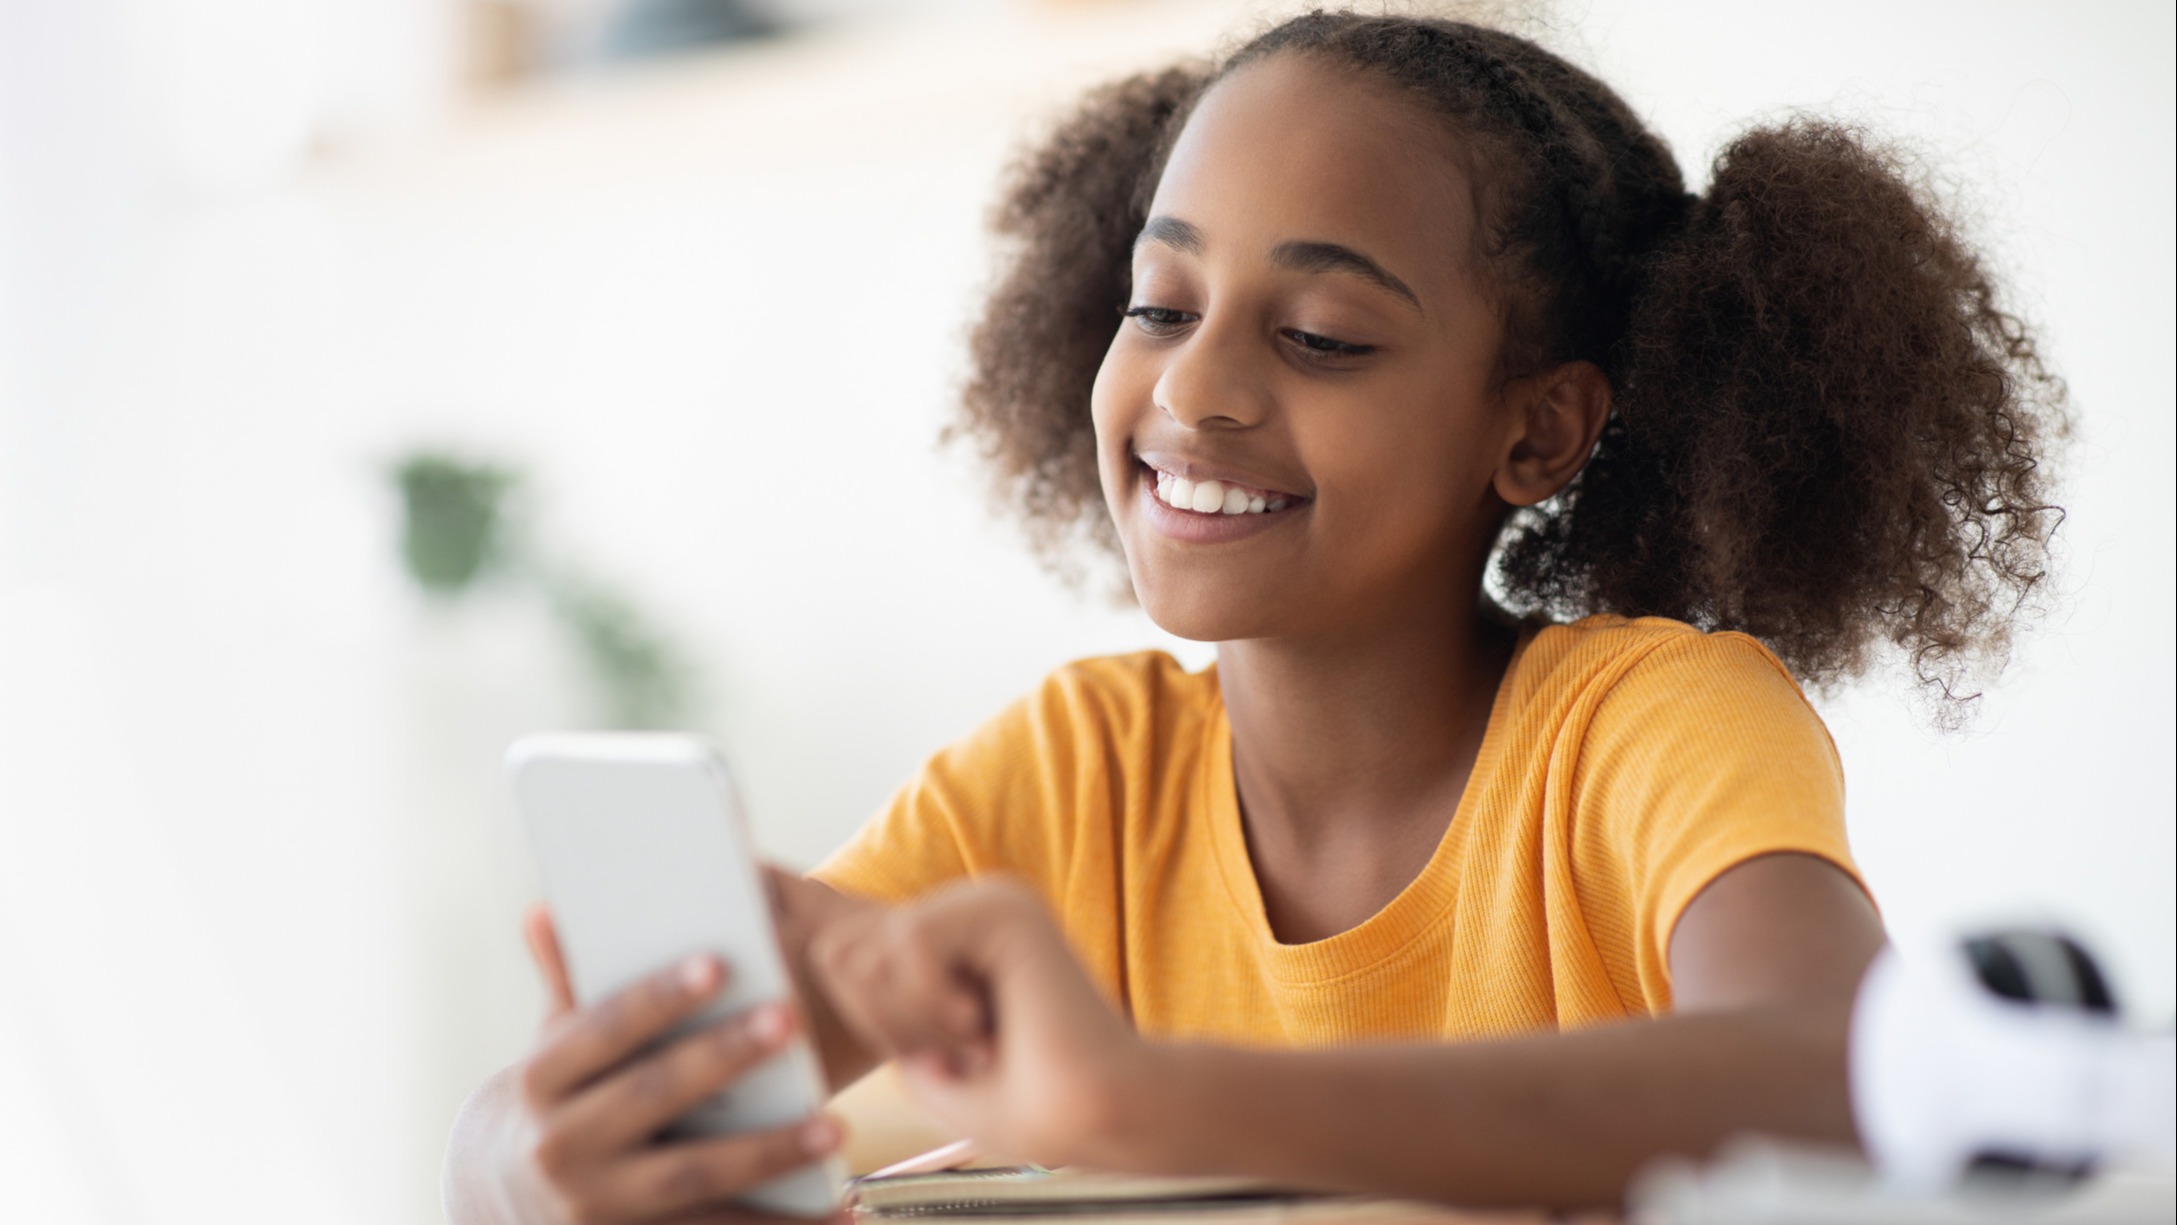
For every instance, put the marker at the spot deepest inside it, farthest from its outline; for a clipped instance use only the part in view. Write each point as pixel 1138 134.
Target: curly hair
pixel 1825 429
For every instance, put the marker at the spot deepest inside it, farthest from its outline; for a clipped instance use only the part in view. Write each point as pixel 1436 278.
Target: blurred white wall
pixel 257 878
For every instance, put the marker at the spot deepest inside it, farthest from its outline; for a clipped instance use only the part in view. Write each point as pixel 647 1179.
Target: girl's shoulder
pixel 1661 690
pixel 1040 782
pixel 1125 692
pixel 1597 653
pixel 1089 713
pixel 1647 682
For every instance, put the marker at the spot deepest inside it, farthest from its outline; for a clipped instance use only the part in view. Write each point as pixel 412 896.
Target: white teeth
pixel 1213 497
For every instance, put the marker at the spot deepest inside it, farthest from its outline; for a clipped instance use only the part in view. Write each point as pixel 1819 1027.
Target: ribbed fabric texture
pixel 1626 764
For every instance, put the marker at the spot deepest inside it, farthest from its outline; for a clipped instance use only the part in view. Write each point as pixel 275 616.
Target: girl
pixel 1499 852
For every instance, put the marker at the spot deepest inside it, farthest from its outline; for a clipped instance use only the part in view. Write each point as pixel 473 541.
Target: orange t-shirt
pixel 1626 764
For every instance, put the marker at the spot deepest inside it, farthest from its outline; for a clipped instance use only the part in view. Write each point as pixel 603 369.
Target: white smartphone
pixel 646 859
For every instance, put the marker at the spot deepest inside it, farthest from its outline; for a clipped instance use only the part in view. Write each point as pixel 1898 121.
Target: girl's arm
pixel 1563 1120
pixel 1765 963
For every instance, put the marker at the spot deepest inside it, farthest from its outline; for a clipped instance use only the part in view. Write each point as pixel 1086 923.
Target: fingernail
pixel 819 1134
pixel 768 1024
pixel 699 973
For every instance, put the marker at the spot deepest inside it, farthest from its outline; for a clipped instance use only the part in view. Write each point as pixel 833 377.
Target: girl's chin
pixel 1198 610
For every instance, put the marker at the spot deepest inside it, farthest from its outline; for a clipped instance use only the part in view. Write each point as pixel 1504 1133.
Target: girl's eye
pixel 1324 346
pixel 1164 320
pixel 1157 320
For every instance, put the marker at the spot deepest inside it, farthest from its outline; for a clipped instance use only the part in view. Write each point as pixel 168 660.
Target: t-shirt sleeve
pixel 997 800
pixel 1702 755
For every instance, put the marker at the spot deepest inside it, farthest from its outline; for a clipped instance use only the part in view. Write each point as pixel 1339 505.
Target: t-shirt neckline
pixel 1424 904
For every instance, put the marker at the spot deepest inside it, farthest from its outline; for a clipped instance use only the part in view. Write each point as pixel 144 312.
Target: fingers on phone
pixel 637 1101
pixel 596 1039
pixel 703 1174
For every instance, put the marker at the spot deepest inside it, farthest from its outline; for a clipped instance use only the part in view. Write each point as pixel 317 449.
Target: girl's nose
pixel 1209 382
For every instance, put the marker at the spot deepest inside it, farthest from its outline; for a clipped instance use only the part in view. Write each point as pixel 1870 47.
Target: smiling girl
pixel 1437 885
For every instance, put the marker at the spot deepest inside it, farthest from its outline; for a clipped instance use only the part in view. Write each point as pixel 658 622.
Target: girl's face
pixel 1306 367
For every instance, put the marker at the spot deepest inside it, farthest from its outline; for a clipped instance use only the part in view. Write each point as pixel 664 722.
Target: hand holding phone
pixel 674 1074
pixel 572 1126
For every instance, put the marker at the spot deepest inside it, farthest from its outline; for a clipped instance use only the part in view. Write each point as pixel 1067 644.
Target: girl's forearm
pixel 1558 1120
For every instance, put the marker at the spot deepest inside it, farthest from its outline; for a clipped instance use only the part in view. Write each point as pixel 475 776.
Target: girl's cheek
pixel 1102 395
pixel 1121 365
pixel 1118 397
pixel 1111 448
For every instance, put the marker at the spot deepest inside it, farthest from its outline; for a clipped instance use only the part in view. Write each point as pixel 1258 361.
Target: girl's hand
pixel 800 908
pixel 997 1029
pixel 565 1136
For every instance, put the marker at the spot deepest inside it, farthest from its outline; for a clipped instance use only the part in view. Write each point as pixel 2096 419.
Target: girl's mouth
pixel 1214 497
pixel 1183 486
pixel 1211 510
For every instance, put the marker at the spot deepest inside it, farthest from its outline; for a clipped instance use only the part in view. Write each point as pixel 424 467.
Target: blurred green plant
pixel 461 525
pixel 454 523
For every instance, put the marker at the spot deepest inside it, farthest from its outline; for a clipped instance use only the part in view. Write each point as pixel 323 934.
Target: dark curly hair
pixel 1826 431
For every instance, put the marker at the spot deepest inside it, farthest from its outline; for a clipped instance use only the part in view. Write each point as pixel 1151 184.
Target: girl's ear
pixel 1556 417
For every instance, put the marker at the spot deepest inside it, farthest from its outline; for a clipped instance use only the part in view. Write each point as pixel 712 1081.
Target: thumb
pixel 543 940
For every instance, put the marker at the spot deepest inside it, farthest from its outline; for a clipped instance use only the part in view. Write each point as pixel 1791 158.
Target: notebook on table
pixel 1034 1193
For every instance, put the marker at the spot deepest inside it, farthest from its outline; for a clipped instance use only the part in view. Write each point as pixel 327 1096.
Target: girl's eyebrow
pixel 1295 254
pixel 1332 257
pixel 1172 232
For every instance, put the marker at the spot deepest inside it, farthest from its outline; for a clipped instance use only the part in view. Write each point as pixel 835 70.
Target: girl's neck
pixel 1363 733
pixel 1350 754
